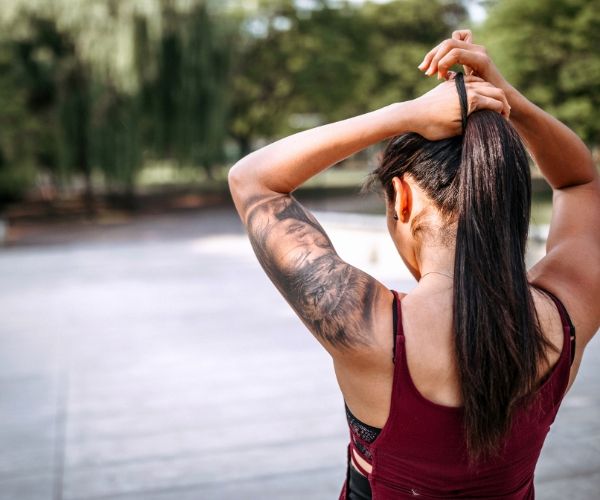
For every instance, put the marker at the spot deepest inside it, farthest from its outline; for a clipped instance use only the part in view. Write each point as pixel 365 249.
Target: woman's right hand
pixel 437 114
pixel 460 49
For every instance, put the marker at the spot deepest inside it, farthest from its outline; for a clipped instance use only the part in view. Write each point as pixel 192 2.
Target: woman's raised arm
pixel 286 164
pixel 335 300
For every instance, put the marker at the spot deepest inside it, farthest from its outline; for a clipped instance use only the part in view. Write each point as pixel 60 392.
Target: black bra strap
pixel 395 322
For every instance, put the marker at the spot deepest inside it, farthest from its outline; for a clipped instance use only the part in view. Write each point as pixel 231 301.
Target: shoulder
pixel 378 351
pixel 571 267
pixel 579 296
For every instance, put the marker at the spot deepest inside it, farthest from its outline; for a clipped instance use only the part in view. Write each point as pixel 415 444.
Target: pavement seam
pixel 60 435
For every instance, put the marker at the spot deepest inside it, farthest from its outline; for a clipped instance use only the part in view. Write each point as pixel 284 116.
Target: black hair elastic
pixel 459 79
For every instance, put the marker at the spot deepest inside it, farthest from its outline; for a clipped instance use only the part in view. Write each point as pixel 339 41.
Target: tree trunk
pixel 89 198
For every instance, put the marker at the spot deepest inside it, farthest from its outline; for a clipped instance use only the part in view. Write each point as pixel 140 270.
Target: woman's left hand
pixel 437 113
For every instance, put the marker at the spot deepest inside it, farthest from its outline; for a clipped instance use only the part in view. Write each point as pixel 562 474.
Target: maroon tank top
pixel 420 452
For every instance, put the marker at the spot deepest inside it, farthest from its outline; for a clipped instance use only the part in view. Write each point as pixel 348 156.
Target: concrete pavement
pixel 154 360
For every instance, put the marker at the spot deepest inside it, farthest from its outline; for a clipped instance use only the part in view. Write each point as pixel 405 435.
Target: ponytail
pixel 498 339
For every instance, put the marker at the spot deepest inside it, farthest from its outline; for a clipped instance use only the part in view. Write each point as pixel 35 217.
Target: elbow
pixel 247 181
pixel 243 182
pixel 243 169
pixel 236 183
pixel 238 177
pixel 233 178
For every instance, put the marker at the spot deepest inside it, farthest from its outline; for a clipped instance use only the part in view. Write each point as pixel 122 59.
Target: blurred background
pixel 143 353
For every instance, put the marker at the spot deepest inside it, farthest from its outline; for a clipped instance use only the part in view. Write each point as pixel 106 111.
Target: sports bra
pixel 369 433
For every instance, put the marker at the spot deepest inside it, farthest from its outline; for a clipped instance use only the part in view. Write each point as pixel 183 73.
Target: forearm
pixel 286 164
pixel 561 155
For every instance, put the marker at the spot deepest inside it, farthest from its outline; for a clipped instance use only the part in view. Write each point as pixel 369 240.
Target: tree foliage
pixel 330 61
pixel 549 50
pixel 92 87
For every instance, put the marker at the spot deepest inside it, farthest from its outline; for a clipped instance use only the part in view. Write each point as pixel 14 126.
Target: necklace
pixel 437 272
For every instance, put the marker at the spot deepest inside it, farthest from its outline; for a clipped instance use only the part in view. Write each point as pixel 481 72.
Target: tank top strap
pixel 395 304
pixel 567 324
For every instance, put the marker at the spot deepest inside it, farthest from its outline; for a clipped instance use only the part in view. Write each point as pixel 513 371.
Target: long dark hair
pixel 480 182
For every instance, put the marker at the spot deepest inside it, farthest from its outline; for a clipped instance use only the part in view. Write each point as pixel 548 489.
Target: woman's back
pixel 430 342
pixel 421 449
pixel 430 350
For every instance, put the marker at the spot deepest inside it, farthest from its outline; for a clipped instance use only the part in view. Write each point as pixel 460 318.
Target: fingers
pixel 431 62
pixel 463 36
pixel 451 75
pixel 460 35
pixel 483 102
pixel 444 48
pixel 441 50
pixel 428 57
pixel 477 61
pixel 470 78
pixel 486 96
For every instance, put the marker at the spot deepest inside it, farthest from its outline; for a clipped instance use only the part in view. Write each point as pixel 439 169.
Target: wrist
pixel 518 104
pixel 398 117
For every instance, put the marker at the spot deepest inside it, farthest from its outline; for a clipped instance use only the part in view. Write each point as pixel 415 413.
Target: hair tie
pixel 459 79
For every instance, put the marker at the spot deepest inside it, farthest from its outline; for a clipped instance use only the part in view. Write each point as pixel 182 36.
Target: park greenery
pixel 92 92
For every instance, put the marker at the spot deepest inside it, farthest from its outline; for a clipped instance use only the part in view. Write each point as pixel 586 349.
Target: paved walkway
pixel 153 360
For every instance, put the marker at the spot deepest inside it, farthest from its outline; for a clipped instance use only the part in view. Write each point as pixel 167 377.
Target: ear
pixel 402 198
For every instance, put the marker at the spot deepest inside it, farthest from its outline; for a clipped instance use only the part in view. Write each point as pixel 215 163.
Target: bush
pixel 15 182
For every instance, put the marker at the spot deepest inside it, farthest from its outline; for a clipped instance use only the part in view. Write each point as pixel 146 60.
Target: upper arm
pixel 571 266
pixel 335 300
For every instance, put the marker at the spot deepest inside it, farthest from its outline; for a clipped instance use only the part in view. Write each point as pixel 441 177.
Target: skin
pixel 326 293
pixel 348 311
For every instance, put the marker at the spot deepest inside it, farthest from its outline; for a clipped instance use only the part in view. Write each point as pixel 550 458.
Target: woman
pixel 450 390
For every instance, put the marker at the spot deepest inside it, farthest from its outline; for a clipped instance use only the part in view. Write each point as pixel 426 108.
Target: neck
pixel 438 258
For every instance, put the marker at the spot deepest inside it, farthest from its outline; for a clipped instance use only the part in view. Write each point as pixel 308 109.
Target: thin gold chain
pixel 438 272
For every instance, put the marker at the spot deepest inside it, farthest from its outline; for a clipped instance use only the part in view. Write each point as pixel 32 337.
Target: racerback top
pixel 421 452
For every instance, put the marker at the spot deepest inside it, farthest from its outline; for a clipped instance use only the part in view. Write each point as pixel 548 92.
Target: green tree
pixel 330 61
pixel 203 99
pixel 400 34
pixel 549 51
pixel 115 144
pixel 46 85
pixel 73 103
pixel 192 85
pixel 174 80
pixel 17 130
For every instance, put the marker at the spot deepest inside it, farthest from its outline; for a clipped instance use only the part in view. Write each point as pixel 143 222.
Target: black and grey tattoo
pixel 334 299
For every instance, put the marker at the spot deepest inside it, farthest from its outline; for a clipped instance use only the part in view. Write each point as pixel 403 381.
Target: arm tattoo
pixel 334 299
